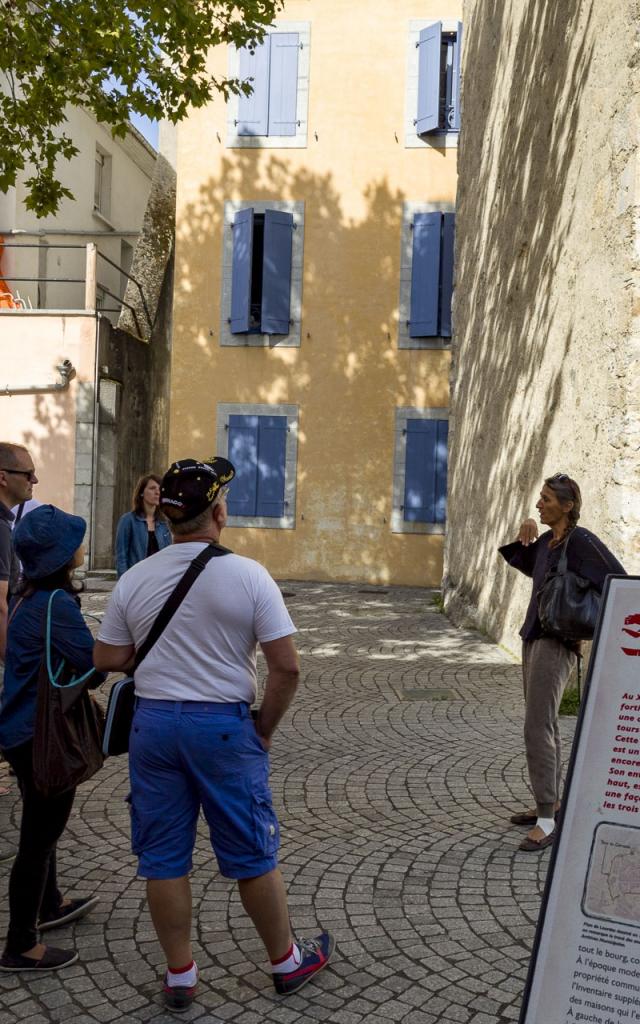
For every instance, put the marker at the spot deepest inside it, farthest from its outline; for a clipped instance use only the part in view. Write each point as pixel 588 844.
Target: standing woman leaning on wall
pixel 144 530
pixel 548 662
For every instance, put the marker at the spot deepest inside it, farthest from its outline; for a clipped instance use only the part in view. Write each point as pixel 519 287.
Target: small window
pixel 102 183
pixel 420 475
pixel 101 297
pixel 261 442
pixel 261 272
pixel 425 482
pixel 431 275
pixel 438 80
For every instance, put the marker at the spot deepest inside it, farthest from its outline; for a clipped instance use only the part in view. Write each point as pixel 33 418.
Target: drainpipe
pixel 90 306
pixel 67 373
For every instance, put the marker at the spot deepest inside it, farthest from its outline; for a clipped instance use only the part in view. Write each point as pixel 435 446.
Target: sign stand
pixel 585 965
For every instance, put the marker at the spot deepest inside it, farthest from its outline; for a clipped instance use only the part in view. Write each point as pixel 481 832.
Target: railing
pixel 90 279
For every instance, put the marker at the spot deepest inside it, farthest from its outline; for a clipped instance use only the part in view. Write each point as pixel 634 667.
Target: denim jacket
pixel 132 538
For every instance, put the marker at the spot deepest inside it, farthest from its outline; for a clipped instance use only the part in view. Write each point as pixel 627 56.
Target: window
pixel 261 442
pixel 438 79
pixel 426 275
pixel 420 477
pixel 432 275
pixel 275 113
pixel 102 183
pixel 433 83
pixel 262 273
pixel 126 261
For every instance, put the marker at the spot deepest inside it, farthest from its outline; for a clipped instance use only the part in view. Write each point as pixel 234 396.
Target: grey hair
pixel 195 525
pixel 8 453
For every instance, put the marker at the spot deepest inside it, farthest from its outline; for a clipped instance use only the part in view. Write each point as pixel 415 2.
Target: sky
pixel 147 128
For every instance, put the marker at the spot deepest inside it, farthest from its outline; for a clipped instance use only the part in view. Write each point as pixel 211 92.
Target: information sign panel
pixel 585 967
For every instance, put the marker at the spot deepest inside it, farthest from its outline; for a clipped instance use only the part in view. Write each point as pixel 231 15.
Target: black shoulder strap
pixel 177 596
pixel 18 515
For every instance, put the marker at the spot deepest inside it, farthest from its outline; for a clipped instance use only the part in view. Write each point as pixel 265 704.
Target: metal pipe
pixel 84 233
pixel 67 373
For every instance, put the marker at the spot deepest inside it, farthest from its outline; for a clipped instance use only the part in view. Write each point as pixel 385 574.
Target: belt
pixel 239 709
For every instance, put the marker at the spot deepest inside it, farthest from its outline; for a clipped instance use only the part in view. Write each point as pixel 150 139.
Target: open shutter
pixel 243 453
pixel 283 83
pixel 446 273
pixel 429 58
pixel 276 272
pixel 241 271
pixel 420 471
pixel 425 275
pixel 441 471
pixel 253 110
pixel 455 85
pixel 272 448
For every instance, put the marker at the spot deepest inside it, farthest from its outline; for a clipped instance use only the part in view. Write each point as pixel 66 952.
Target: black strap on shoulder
pixel 18 515
pixel 177 596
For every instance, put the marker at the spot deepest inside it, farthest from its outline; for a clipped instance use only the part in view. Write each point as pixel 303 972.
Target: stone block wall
pixel 546 347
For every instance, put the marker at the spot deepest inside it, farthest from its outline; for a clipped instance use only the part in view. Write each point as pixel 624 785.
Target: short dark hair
pixel 61 579
pixel 137 503
pixel 566 489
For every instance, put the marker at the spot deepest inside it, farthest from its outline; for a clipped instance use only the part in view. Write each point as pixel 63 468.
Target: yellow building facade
pixel 323 391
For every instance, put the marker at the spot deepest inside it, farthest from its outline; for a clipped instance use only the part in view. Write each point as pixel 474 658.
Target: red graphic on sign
pixel 632 620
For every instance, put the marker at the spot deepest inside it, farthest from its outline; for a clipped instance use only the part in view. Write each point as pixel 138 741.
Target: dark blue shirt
pixel 587 556
pixel 70 639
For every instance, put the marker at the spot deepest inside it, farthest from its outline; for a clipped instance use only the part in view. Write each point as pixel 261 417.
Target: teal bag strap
pixel 53 678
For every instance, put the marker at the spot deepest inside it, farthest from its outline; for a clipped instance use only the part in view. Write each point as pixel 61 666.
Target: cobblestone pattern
pixel 394 777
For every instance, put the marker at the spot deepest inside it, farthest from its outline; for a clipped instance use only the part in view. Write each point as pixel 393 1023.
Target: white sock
pixel 546 824
pixel 186 977
pixel 289 962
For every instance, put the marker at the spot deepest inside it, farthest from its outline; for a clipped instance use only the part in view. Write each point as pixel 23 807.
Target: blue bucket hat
pixel 46 539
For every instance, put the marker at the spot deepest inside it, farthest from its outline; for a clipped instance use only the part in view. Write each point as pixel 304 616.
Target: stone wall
pixel 546 348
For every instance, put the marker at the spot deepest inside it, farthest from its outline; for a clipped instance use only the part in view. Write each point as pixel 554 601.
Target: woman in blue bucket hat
pixel 48 542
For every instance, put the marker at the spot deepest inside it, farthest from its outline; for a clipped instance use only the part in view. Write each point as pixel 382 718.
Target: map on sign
pixel 612 889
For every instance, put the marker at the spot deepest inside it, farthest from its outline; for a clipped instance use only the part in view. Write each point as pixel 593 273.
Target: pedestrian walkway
pixel 394 777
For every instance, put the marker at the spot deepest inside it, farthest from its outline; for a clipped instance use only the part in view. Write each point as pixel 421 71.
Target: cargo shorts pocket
pixel 267 830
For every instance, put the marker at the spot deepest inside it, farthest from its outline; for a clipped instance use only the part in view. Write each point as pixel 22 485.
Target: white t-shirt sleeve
pixel 113 629
pixel 271 620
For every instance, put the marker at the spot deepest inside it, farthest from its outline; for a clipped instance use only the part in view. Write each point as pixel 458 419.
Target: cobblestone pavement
pixel 394 777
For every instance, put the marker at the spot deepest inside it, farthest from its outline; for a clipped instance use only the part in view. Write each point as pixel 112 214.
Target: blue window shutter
pixel 243 453
pixel 429 57
pixel 455 91
pixel 441 471
pixel 420 471
pixel 425 275
pixel 276 272
pixel 446 273
pixel 272 448
pixel 241 271
pixel 253 110
pixel 283 83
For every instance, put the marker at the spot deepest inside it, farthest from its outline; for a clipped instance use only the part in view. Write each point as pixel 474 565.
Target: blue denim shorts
pixel 185 756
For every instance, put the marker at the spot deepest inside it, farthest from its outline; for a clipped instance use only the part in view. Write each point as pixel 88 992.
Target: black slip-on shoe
pixel 52 960
pixel 71 912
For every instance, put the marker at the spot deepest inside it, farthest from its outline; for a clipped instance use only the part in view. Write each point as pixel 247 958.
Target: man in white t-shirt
pixel 194 743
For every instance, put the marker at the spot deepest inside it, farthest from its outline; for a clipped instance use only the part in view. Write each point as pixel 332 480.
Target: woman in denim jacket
pixel 144 530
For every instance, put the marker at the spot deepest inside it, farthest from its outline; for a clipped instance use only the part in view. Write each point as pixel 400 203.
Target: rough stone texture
pixel 152 252
pixel 546 348
pixel 394 776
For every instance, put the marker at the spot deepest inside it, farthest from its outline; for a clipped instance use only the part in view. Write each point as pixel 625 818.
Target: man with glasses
pixel 17 478
pixel 194 742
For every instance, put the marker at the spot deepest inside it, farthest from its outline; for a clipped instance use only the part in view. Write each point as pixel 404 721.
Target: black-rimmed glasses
pixel 29 473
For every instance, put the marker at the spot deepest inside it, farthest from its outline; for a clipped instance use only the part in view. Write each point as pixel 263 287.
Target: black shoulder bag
pixel 568 604
pixel 121 704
